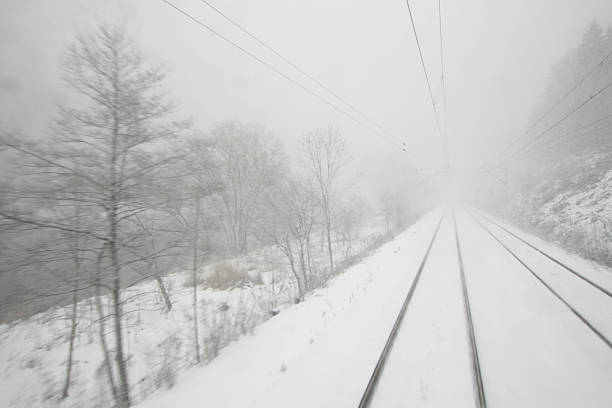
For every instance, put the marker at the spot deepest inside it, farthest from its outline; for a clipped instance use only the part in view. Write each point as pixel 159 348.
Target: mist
pixel 185 183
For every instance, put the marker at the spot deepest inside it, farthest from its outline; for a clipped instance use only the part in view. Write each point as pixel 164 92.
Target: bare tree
pixel 103 155
pixel 249 162
pixel 349 218
pixel 394 209
pixel 387 209
pixel 198 172
pixel 325 153
pixel 77 249
pixel 292 212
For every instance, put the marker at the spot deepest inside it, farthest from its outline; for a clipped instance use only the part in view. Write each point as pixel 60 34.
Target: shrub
pixel 226 275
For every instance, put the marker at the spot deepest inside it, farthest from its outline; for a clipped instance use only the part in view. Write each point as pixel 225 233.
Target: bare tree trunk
pixel 329 244
pixel 73 327
pixel 301 259
pixel 309 258
pixel 124 391
pixel 107 357
pixel 124 395
pixel 289 253
pixel 102 318
pixel 164 292
pixel 195 279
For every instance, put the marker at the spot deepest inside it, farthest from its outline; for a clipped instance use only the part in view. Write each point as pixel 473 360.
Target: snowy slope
pixel 570 202
pixel 159 344
pixel 319 353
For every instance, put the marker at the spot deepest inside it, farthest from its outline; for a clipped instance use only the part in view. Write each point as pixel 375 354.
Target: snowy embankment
pixel 319 353
pixel 571 204
pixel 160 344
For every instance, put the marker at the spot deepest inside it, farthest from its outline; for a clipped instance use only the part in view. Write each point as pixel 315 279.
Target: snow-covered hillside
pixel 570 202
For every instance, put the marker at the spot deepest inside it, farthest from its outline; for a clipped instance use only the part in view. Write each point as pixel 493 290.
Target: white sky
pixel 497 58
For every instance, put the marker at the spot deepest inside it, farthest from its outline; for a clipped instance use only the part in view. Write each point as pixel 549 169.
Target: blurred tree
pixel 104 155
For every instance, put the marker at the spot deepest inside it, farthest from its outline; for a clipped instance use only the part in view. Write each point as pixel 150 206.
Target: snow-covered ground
pixel 429 364
pixel 319 353
pixel 534 352
pixel 570 202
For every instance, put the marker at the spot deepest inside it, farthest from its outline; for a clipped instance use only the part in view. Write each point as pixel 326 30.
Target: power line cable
pixel 433 102
pixel 556 141
pixel 278 72
pixel 555 105
pixel 443 77
pixel 297 68
pixel 556 123
pixel 554 146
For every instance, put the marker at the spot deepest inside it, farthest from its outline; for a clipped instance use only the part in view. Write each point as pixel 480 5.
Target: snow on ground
pixel 594 271
pixel 588 301
pixel 429 364
pixel 319 353
pixel 570 202
pixel 534 352
pixel 33 351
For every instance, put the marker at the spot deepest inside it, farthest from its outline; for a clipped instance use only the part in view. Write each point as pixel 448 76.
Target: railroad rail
pixel 479 391
pixel 380 365
pixel 579 315
pixel 477 375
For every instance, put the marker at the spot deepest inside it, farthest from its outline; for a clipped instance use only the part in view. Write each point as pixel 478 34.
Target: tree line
pixel 121 189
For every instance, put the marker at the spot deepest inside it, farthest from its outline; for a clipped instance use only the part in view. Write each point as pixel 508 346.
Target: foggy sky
pixel 498 55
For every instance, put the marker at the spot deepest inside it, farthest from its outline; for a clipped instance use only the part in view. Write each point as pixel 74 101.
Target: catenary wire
pixel 553 106
pixel 431 96
pixel 279 72
pixel 297 68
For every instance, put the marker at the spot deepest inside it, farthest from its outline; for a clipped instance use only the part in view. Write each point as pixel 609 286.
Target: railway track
pixel 380 365
pixel 550 257
pixel 554 292
pixel 479 391
pixel 485 223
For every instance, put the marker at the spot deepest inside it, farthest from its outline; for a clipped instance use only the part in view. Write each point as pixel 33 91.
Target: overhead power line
pixel 431 96
pixel 556 146
pixel 280 73
pixel 443 77
pixel 556 123
pixel 554 105
pixel 558 140
pixel 298 68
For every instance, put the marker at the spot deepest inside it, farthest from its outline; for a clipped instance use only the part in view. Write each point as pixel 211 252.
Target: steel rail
pixel 378 369
pixel 584 320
